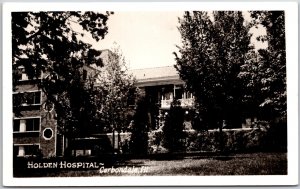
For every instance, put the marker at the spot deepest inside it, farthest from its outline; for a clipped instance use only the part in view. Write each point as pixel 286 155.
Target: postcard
pixel 150 94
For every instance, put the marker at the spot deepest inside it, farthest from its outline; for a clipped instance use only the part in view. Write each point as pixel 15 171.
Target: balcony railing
pixel 187 102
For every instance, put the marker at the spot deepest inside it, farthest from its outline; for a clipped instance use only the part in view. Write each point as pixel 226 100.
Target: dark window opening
pixel 28 98
pixel 32 124
pixel 16 126
pixel 31 149
pixel 178 93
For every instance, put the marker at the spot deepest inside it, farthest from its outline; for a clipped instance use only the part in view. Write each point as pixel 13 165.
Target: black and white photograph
pixel 121 95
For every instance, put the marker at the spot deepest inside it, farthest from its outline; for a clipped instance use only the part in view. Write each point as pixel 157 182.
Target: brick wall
pixel 47 121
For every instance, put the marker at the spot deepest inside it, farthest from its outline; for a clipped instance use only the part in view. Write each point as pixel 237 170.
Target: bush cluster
pixel 262 137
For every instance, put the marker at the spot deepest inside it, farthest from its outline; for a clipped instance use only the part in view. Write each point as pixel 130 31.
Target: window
pixel 27 98
pixel 16 125
pixel 21 151
pixel 167 96
pixel 178 92
pixel 31 149
pixel 33 98
pixel 16 150
pixel 48 133
pixel 33 124
pixel 26 150
pixel 26 125
pixel 22 75
pixel 82 152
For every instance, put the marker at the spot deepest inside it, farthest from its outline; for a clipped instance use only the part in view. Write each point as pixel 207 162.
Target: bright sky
pixel 147 39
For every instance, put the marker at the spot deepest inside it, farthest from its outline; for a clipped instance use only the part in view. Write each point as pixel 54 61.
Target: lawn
pixel 238 164
pixel 242 164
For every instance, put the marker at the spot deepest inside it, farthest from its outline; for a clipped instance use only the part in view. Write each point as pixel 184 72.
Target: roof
pixel 157 72
pixel 156 76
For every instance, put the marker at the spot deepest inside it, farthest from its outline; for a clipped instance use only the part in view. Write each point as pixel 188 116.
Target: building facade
pixel 35 131
pixel 34 123
pixel 162 85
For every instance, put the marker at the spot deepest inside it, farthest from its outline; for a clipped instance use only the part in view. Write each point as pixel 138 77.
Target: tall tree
pixel 51 42
pixel 213 49
pixel 116 92
pixel 265 74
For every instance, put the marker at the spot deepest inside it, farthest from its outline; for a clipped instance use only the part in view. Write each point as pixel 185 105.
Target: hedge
pixel 234 140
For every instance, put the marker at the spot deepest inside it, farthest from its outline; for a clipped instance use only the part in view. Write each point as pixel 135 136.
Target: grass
pixel 239 164
pixel 246 164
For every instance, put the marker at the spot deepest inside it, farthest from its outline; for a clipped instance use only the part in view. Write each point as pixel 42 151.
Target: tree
pixel 140 125
pixel 116 92
pixel 265 73
pixel 213 50
pixel 51 42
pixel 48 42
pixel 264 76
pixel 173 128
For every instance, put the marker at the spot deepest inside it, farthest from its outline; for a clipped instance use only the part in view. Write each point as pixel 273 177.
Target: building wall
pixel 47 123
pixel 47 138
pixel 151 88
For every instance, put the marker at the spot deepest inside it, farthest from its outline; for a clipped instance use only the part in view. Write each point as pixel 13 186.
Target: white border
pixel 291 10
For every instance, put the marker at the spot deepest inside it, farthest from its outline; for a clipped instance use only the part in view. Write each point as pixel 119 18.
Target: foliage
pixel 173 128
pixel 276 137
pixel 116 92
pixel 155 142
pixel 214 47
pixel 51 43
pixel 265 72
pixel 139 138
pixel 261 138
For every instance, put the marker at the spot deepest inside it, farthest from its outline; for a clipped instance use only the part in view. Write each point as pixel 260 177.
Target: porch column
pixel 174 89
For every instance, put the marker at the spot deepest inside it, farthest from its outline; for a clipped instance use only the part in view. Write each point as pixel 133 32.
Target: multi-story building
pixel 34 120
pixel 34 124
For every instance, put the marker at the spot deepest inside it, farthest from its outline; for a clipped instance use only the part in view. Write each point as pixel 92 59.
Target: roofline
pixel 152 68
pixel 174 77
pixel 159 81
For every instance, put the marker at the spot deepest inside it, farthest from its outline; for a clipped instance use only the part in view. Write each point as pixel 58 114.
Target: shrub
pixel 275 138
pixel 139 138
pixel 262 137
pixel 173 128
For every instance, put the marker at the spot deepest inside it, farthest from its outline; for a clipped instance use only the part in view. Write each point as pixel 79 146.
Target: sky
pixel 147 39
